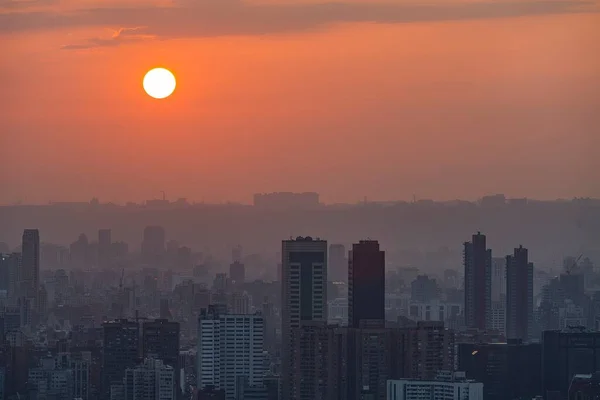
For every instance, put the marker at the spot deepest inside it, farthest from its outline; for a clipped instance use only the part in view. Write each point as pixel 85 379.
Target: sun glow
pixel 159 83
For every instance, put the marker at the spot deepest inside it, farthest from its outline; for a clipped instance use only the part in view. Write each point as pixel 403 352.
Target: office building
pixel 104 248
pixel 507 370
pixel 478 283
pixel 230 346
pixel 519 295
pixel 160 340
pixel 366 284
pixel 566 353
pixel 454 387
pixel 30 264
pixel 304 296
pixel 120 351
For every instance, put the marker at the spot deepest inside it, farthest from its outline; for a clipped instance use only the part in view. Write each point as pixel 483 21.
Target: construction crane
pixel 573 266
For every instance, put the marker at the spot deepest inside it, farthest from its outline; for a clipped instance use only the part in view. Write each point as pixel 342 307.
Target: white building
pixel 452 386
pixel 230 346
pixel 151 380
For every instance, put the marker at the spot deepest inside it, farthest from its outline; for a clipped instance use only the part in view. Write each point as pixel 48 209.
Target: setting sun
pixel 159 83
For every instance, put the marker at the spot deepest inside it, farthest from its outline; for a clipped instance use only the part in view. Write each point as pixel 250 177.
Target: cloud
pixel 208 18
pixel 120 36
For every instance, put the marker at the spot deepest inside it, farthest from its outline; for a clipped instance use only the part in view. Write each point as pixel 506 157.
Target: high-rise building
pixel 230 346
pixel 564 354
pixel 120 352
pixel 507 370
pixel 104 248
pixel 366 284
pixel 237 273
pixel 30 264
pixel 153 245
pixel 338 263
pixel 304 295
pixel 478 283
pixel 519 295
pixel 160 340
pixel 14 262
pixel 152 380
pixel 317 357
pixel 429 349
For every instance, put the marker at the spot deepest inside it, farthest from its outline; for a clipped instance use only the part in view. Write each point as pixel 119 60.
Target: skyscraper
pixel 304 294
pixel 153 245
pixel 366 284
pixel 160 340
pixel 478 283
pixel 30 264
pixel 120 352
pixel 519 295
pixel 104 248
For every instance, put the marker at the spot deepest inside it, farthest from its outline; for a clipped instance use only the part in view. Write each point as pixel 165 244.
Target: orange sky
pixel 387 100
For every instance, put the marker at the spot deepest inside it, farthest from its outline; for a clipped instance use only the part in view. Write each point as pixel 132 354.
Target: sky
pixel 438 99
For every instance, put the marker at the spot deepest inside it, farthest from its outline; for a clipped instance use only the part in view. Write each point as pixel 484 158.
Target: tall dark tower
pixel 30 264
pixel 160 340
pixel 478 283
pixel 366 284
pixel 519 295
pixel 119 352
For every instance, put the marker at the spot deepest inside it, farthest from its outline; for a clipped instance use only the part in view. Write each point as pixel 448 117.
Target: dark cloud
pixel 204 18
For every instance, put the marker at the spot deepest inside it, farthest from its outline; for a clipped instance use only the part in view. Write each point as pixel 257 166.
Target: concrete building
pixel 120 352
pixel 160 340
pixel 366 284
pixel 304 295
pixel 230 346
pixel 478 283
pixel 519 295
pixel 454 386
pixel 30 265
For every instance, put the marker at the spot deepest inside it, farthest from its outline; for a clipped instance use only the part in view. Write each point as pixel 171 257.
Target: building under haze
pixel 366 284
pixel 304 298
pixel 519 295
pixel 30 265
pixel 153 245
pixel 104 248
pixel 337 266
pixel 478 283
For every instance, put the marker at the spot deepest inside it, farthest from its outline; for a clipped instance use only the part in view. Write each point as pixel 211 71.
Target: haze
pixel 450 99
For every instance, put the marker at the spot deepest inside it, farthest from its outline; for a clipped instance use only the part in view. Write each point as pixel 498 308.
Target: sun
pixel 159 83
